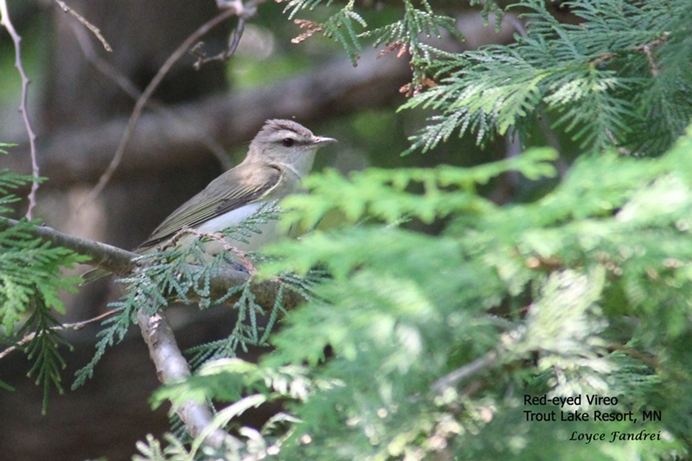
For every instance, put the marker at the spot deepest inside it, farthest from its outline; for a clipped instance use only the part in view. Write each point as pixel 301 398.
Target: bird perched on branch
pixel 279 157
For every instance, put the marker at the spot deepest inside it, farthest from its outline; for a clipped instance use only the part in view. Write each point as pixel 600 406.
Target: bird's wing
pixel 237 187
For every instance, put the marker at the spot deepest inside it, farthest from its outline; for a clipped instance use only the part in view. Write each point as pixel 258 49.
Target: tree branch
pixel 95 30
pixel 108 70
pixel 65 326
pixel 171 366
pixel 110 258
pixel 81 155
pixel 16 39
pixel 468 370
pixel 146 94
pixel 121 262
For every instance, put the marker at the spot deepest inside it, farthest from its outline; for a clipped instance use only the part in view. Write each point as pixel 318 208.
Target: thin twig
pixel 650 360
pixel 603 58
pixel 87 24
pixel 614 140
pixel 653 362
pixel 466 371
pixel 645 48
pixel 101 64
pixel 217 237
pixel 233 42
pixel 67 326
pixel 131 90
pixel 16 39
pixel 148 91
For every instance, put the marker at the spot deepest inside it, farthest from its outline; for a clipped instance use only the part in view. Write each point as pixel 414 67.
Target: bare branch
pixel 67 326
pixel 244 12
pixel 148 91
pixel 333 89
pixel 87 24
pixel 646 49
pixel 16 39
pixel 121 262
pixel 466 371
pixel 234 40
pixel 104 256
pixel 183 125
pixel 171 366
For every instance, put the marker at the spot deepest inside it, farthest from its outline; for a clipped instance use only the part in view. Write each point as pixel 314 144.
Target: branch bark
pixel 110 258
pixel 171 366
pixel 470 369
pixel 16 39
pixel 120 262
pixel 81 155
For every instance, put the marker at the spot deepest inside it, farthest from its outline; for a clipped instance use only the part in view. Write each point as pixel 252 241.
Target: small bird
pixel 279 157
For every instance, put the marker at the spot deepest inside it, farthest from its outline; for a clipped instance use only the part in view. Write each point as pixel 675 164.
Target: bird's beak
pixel 322 140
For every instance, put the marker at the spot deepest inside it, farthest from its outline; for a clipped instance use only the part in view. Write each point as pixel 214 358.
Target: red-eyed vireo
pixel 279 157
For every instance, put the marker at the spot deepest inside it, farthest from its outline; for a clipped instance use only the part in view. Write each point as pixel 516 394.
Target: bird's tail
pixel 93 275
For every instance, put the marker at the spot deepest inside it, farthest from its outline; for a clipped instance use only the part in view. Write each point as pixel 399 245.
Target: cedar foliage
pixel 433 341
pixel 30 285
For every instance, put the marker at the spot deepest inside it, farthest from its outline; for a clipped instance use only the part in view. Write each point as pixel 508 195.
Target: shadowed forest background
pixel 198 123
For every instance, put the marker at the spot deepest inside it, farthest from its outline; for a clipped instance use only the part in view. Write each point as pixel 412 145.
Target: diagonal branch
pixel 466 371
pixel 65 326
pixel 16 39
pixel 171 366
pixel 184 125
pixel 122 262
pixel 95 30
pixel 148 91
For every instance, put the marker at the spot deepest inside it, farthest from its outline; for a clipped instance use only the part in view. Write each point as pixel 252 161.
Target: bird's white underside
pixel 234 218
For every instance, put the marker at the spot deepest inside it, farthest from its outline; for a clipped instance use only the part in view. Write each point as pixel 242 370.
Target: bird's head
pixel 287 142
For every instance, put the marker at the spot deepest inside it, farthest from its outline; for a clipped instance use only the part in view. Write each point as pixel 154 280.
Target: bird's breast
pixel 269 231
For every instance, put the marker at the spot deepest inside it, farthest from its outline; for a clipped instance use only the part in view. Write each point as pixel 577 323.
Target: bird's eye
pixel 287 142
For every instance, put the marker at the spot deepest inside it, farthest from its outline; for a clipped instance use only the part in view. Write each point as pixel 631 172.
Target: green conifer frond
pixel 29 268
pixel 407 32
pixel 406 309
pixel 43 350
pixel 380 193
pixel 341 27
pixel 293 7
pixel 31 283
pixel 174 274
pixel 593 79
